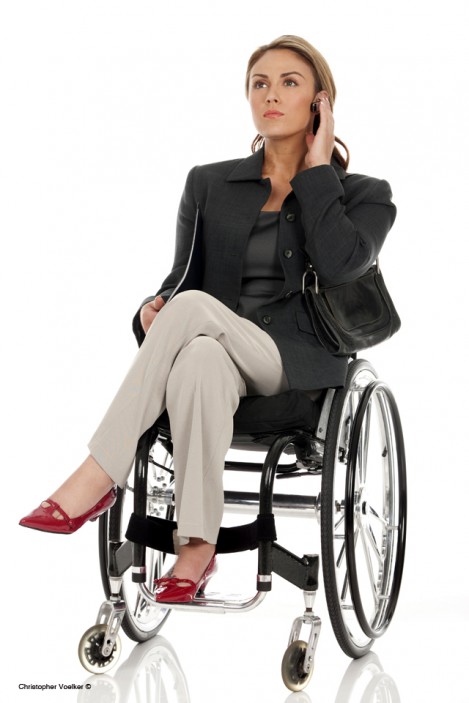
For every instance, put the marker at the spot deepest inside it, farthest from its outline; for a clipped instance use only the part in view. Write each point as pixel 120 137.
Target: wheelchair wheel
pixel 293 674
pixel 143 619
pixel 89 650
pixel 363 510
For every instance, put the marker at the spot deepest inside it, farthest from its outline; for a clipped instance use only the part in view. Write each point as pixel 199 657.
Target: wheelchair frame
pixel 362 512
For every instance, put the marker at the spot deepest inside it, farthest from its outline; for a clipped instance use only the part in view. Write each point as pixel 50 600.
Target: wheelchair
pixel 351 440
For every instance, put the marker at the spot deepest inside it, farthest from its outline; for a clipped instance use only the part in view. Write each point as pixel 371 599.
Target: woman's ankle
pixel 193 559
pixel 83 489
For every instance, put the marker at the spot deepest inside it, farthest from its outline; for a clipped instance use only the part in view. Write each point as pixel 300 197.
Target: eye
pixel 259 84
pixel 290 82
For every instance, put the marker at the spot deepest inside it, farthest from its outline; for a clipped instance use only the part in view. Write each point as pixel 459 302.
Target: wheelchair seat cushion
pixel 259 415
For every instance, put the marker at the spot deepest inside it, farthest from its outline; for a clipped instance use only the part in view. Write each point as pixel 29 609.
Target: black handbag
pixel 351 316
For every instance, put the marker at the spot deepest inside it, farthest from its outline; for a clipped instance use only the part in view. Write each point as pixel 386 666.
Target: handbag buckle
pixel 309 269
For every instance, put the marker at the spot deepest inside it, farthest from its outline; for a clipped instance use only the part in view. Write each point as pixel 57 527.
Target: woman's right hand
pixel 150 311
pixel 321 146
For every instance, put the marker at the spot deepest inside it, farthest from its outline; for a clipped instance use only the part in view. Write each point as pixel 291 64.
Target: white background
pixel 104 108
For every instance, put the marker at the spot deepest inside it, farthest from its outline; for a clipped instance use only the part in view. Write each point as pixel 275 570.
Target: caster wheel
pixel 89 650
pixel 293 675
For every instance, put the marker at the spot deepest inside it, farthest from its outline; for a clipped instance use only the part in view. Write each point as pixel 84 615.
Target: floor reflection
pixel 153 673
pixel 365 681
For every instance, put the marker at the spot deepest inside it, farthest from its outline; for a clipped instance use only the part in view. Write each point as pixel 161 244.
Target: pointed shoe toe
pixel 50 517
pixel 44 518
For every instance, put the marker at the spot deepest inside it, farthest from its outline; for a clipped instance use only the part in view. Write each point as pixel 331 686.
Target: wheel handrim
pixel 375 526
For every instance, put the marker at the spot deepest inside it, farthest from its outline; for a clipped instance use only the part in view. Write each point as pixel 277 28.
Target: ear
pixel 321 94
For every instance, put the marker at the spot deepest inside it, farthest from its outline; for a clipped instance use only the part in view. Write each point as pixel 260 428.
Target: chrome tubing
pixel 209 604
pixel 283 505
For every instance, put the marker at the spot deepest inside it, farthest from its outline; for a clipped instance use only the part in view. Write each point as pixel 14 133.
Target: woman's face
pixel 281 90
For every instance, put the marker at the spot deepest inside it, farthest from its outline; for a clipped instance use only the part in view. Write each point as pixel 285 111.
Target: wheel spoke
pixel 138 605
pixel 339 523
pixel 150 564
pixel 344 589
pixel 340 558
pixel 346 578
pixel 363 447
pixel 376 515
pixel 372 540
pixel 345 583
pixel 369 565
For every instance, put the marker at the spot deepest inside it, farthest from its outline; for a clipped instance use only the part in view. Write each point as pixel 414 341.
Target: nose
pixel 271 97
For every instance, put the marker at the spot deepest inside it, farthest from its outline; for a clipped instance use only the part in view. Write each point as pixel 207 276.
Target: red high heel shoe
pixel 42 518
pixel 171 589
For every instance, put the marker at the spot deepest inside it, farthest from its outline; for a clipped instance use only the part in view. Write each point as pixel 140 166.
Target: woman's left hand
pixel 321 145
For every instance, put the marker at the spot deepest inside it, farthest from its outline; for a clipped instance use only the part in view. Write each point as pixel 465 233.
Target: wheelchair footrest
pixel 157 533
pixel 301 572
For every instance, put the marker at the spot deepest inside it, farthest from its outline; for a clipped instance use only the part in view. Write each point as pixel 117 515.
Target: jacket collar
pixel 250 169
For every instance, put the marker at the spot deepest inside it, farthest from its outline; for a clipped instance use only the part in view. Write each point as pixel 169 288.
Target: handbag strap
pixel 310 270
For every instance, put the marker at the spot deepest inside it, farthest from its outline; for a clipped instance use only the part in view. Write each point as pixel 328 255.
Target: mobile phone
pixel 316 118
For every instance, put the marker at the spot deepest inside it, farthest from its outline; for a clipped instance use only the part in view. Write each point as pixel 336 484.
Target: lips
pixel 272 114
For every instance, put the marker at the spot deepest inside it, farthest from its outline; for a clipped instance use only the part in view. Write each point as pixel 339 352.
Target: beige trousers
pixel 197 360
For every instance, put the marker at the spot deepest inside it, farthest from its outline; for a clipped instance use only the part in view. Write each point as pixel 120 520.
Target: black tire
pixel 362 510
pixel 143 619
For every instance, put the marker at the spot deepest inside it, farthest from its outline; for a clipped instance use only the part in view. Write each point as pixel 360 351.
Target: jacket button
pixel 288 253
pixel 291 217
pixel 266 319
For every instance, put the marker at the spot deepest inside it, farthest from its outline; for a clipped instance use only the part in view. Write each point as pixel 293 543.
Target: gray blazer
pixel 336 220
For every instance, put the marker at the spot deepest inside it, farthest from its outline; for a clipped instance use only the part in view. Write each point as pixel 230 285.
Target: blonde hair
pixel 322 77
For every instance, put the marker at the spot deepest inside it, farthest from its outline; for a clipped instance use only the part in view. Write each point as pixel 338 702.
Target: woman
pixel 247 330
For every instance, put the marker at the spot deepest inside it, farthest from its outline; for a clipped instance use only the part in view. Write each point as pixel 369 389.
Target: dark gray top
pixel 263 276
